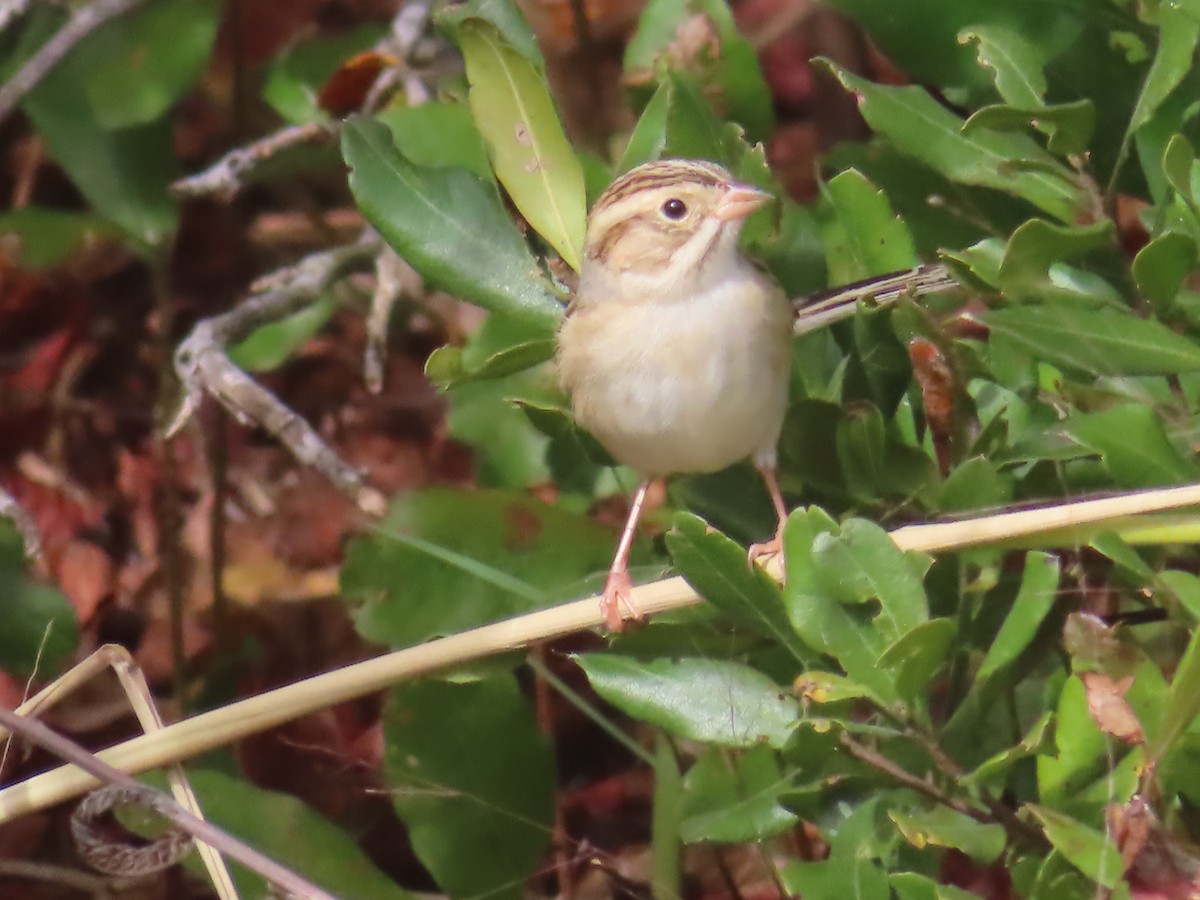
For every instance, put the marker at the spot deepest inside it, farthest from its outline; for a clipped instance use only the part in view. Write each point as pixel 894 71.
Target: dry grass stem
pixel 230 723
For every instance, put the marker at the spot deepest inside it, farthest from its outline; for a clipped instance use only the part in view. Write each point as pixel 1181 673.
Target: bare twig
pixel 12 510
pixel 83 22
pixel 34 731
pixel 85 882
pixel 393 279
pixel 137 692
pixel 204 367
pixel 254 714
pixel 229 174
pixel 900 775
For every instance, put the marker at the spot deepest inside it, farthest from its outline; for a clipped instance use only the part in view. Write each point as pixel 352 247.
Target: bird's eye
pixel 674 209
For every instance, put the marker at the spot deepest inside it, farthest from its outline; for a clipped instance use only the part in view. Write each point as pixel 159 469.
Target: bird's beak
pixel 739 201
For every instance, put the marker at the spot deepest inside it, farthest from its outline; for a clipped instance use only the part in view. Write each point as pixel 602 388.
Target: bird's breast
pixel 683 386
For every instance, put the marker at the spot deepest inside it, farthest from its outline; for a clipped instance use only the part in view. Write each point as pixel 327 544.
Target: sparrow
pixel 675 350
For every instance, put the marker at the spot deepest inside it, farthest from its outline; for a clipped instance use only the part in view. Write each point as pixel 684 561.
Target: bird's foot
pixel 767 550
pixel 617 602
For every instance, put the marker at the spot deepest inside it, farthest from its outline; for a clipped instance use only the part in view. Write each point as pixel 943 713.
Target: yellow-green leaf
pixel 529 151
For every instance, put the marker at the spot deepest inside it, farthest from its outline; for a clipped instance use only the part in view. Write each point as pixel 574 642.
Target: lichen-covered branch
pixel 228 174
pixel 204 367
pixel 393 279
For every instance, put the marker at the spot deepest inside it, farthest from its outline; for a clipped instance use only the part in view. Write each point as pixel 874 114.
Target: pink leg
pixel 773 547
pixel 618 587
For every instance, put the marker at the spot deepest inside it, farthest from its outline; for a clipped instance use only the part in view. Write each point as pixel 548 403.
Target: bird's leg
pixel 618 587
pixel 773 547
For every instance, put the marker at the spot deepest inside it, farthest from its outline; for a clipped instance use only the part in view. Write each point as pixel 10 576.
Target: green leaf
pixel 828 687
pixel 296 76
pixel 40 628
pixel 649 137
pixel 717 568
pixel 271 345
pixel 292 834
pixel 706 700
pixel 448 224
pixel 1069 126
pixel 440 135
pixel 920 127
pixel 734 798
pixel 1016 61
pixel 1039 586
pixel 907 39
pixel 48 238
pixel 831 627
pixel 977 483
pixel 730 74
pixel 1090 851
pixel 512 108
pixel 882 361
pixel 846 877
pixel 918 655
pixel 666 842
pixel 124 173
pixel 1095 342
pixel 1161 266
pixel 472 776
pixel 861 447
pixel 1037 245
pixel 941 826
pixel 860 563
pixel 504 15
pixel 1133 443
pixel 139 65
pixel 1178 33
pixel 678 122
pixel 446 368
pixel 496 553
pixel 914 886
pixel 1178 163
pixel 1082 751
pixel 863 236
pixel 1036 742
pixel 1183 701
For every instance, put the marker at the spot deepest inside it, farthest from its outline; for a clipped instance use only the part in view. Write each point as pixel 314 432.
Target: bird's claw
pixel 767 549
pixel 618 593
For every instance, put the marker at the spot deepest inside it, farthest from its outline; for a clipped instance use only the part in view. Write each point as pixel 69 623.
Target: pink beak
pixel 739 201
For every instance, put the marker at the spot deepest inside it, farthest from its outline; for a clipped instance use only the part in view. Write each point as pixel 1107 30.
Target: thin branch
pixel 229 174
pixel 37 733
pixel 900 775
pixel 393 279
pixel 204 368
pixel 230 723
pixel 83 22
pixel 137 692
pixel 13 511
pixel 63 876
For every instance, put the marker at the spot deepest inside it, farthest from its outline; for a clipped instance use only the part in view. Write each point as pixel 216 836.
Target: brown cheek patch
pixel 607 243
pixel 649 249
